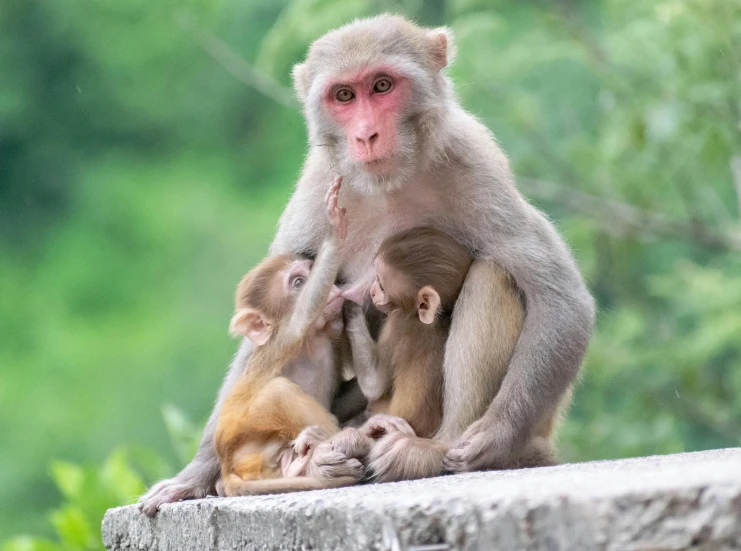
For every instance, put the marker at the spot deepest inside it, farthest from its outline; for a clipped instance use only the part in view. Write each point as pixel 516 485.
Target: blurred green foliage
pixel 139 179
pixel 88 492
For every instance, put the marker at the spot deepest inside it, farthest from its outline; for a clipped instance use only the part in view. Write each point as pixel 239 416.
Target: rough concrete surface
pixel 684 501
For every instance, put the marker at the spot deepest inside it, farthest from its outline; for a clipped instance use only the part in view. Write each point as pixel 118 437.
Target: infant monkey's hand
pixel 337 216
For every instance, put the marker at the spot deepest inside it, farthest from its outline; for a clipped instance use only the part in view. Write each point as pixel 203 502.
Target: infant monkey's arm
pixel 373 380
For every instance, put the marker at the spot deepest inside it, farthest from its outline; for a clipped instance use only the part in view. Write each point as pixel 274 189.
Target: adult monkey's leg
pixel 198 478
pixel 555 334
pixel 489 306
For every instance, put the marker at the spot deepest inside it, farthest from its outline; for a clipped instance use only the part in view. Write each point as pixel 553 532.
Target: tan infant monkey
pixel 291 311
pixel 419 274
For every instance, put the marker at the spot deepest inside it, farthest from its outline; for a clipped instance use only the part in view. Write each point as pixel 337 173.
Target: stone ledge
pixel 684 501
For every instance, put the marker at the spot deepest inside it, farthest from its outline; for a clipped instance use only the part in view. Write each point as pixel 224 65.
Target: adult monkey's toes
pixel 482 447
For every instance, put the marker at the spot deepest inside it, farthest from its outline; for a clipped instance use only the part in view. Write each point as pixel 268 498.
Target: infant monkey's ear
pixel 428 302
pixel 250 323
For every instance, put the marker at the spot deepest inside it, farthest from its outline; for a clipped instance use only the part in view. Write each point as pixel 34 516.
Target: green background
pixel 147 149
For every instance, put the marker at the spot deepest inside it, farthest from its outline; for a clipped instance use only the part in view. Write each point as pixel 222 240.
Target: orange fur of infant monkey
pixel 291 311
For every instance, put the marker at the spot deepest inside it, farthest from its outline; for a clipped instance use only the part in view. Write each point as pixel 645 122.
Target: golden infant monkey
pixel 291 311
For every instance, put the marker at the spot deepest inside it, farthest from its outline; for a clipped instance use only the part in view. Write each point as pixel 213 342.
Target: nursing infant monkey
pixel 419 274
pixel 292 312
pixel 274 423
pixel 381 110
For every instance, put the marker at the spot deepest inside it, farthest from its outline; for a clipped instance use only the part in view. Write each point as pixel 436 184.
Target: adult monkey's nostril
pixel 368 141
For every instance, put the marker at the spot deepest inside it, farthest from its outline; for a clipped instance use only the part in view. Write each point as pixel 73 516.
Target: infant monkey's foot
pixel 352 443
pixel 380 425
pixel 341 455
pixel 294 460
pixel 308 439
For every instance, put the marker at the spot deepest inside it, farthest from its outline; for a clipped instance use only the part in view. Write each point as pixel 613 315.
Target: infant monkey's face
pixel 378 291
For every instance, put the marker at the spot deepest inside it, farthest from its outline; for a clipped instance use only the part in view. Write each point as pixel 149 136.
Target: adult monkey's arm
pixel 558 323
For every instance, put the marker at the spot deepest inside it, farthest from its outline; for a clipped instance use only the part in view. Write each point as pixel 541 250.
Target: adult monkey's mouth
pixel 380 164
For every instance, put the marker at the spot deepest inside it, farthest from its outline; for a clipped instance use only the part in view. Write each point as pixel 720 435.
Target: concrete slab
pixel 684 501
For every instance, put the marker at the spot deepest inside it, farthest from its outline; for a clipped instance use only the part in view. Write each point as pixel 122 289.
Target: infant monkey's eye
pixel 381 286
pixel 297 282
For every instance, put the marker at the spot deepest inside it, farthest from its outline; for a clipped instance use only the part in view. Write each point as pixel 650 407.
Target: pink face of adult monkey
pixel 366 105
pixel 411 156
pixel 373 114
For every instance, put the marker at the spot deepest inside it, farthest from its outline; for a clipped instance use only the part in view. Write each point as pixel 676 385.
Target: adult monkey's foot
pixel 399 456
pixel 483 446
pixel 170 491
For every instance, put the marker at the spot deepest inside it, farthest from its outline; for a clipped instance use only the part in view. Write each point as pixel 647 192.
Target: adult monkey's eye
pixel 344 95
pixel 297 282
pixel 382 85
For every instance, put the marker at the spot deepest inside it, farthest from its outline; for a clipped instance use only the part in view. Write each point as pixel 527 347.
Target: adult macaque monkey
pixel 381 111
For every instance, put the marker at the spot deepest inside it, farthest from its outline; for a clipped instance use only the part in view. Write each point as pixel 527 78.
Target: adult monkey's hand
pixel 381 112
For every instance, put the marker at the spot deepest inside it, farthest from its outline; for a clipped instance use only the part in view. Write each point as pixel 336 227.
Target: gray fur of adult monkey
pixel 382 113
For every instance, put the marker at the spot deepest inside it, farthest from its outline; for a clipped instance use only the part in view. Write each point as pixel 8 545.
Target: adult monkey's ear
pixel 428 301
pixel 441 47
pixel 301 81
pixel 250 323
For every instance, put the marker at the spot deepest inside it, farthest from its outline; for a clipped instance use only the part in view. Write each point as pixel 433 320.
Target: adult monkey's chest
pixel 371 219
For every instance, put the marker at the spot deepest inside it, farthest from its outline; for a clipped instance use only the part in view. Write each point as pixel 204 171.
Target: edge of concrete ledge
pixel 682 501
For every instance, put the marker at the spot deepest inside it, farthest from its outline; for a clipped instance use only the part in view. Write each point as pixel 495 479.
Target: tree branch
pixel 225 56
pixel 624 220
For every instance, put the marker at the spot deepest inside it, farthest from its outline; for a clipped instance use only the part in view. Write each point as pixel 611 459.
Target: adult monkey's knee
pixel 487 321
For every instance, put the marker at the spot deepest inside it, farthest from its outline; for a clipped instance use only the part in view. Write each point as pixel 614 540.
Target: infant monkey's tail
pixel 400 456
pixel 235 486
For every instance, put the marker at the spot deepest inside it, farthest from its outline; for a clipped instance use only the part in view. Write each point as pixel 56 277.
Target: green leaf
pixel 183 433
pixel 68 477
pixel 73 528
pixel 120 479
